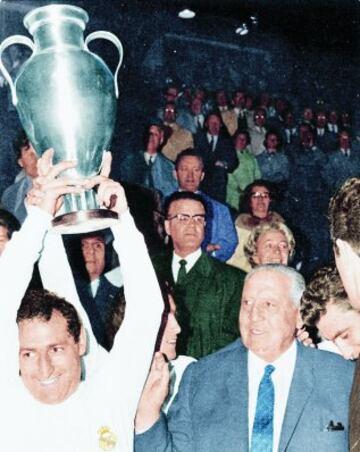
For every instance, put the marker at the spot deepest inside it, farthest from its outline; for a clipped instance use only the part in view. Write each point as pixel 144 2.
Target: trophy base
pixel 84 221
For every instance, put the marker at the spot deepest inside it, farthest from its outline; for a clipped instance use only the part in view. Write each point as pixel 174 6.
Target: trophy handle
pixel 16 39
pixel 112 38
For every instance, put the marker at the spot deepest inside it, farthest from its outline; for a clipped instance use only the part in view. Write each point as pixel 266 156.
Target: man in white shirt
pixel 58 401
pixel 264 394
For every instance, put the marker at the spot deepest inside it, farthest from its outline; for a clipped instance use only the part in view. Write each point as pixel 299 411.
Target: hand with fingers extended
pixel 110 194
pixel 48 189
pixel 154 394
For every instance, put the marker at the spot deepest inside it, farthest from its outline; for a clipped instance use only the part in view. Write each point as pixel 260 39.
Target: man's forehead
pixel 93 239
pixel 269 281
pixel 186 206
pixel 190 161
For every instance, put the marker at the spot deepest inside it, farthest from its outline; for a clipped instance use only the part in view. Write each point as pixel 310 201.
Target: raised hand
pixel 154 394
pixel 48 189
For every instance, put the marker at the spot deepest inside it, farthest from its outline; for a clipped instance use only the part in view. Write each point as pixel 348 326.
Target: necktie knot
pixel 181 276
pixel 269 369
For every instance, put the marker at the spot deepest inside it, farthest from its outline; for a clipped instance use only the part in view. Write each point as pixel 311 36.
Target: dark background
pixel 306 50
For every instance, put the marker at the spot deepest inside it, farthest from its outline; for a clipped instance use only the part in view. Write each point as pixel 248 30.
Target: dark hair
pixel 153 122
pixel 242 132
pixel 8 221
pixel 344 214
pixel 324 288
pixel 21 142
pixel 41 304
pixel 166 291
pixel 182 195
pixel 245 200
pixel 278 136
pixel 189 152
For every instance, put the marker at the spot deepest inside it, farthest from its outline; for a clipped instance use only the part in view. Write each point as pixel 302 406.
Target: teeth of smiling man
pixel 49 381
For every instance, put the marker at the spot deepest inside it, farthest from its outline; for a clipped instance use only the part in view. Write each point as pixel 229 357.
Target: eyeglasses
pixel 260 194
pixel 184 218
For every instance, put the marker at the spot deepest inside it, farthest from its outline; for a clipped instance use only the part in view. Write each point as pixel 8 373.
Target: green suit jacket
pixel 207 304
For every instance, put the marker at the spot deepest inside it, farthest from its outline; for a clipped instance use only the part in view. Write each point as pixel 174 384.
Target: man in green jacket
pixel 207 291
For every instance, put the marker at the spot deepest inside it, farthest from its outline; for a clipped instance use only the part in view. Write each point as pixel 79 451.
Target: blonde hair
pixel 250 246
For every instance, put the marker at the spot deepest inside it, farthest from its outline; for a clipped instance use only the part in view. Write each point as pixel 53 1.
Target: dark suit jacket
pixel 210 412
pixel 215 180
pixel 159 176
pixel 207 305
pixel 101 308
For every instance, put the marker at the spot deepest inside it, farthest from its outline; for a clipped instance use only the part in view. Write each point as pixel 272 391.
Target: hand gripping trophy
pixel 66 97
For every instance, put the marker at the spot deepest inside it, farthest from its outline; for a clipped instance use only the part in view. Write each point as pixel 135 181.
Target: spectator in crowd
pixel 197 118
pixel 307 198
pixel 220 236
pixel 345 121
pixel 258 131
pixel 273 164
pixel 308 116
pixel 245 173
pixel 14 196
pixel 219 157
pixel 150 168
pixel 93 405
pixel 8 225
pixel 206 290
pixel 256 207
pixel 98 282
pixel 342 163
pixel 333 123
pixel 323 139
pixel 270 243
pixel 235 118
pixel 179 139
pixel 344 216
pixel 264 392
pixel 289 130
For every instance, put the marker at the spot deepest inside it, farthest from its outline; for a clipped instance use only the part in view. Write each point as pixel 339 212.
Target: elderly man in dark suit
pixel 265 393
pixel 207 291
pixel 216 149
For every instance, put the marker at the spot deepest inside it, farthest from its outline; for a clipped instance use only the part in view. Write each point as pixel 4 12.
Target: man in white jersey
pixel 53 404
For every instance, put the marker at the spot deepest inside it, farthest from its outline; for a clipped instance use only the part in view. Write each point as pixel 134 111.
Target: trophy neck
pixel 57 26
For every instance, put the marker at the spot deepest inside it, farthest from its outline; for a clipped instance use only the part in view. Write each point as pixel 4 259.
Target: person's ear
pixel 202 176
pixel 175 175
pixel 20 162
pixel 256 259
pixel 299 320
pixel 167 227
pixel 82 342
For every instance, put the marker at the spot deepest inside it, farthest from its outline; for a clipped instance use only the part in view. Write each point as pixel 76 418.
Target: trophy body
pixel 66 97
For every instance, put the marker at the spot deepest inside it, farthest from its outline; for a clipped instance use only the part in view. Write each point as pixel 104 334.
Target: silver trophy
pixel 66 96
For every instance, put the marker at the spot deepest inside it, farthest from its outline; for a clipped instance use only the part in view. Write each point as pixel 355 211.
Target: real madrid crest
pixel 107 438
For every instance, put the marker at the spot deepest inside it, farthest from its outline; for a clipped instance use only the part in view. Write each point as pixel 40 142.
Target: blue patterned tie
pixel 262 434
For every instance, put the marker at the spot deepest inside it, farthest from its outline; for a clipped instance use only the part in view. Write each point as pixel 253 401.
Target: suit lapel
pixel 300 390
pixel 237 386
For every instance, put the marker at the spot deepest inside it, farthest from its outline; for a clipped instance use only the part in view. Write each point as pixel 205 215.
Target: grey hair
pixel 297 281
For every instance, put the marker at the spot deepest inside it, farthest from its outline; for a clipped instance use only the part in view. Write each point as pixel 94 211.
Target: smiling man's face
pixel 49 358
pixel 267 314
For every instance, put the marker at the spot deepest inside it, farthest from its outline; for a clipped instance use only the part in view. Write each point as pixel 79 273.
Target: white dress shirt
pixel 190 262
pixel 214 138
pixel 149 157
pixel 281 377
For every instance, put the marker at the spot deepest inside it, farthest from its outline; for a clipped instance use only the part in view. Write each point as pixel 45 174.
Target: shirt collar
pixel 282 364
pixel 190 259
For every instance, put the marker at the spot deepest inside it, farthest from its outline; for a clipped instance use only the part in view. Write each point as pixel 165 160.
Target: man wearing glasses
pixel 207 291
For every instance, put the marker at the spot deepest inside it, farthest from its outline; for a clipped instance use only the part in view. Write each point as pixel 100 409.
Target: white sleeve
pixel 16 268
pixel 57 277
pixel 134 343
